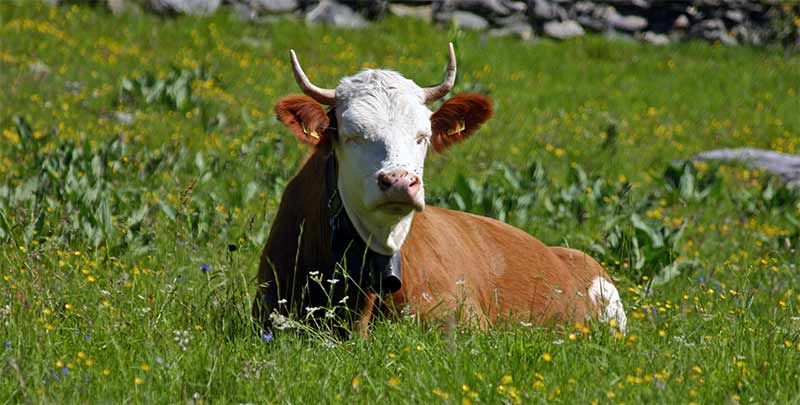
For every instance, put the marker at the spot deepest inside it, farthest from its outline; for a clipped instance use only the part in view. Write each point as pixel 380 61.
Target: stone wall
pixel 730 22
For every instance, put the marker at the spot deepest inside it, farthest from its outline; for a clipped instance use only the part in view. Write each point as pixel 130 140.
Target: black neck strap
pixel 382 274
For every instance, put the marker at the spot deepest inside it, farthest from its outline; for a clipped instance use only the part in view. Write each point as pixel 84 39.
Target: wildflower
pixel 8 344
pixel 441 394
pixel 205 267
pixel 106 372
pixel 547 357
pixel 333 280
pixel 355 383
pixel 266 336
pixel 394 382
pixel 283 301
pixel 138 381
pixel 145 367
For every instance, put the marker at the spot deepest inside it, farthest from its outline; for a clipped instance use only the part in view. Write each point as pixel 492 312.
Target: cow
pixel 353 236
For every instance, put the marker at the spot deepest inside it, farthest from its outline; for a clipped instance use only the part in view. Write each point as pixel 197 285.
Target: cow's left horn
pixel 324 96
pixel 434 93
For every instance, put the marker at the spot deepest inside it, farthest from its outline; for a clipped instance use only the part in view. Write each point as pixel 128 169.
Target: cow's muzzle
pixel 400 189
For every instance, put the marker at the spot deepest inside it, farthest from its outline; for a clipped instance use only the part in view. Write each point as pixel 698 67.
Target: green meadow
pixel 141 168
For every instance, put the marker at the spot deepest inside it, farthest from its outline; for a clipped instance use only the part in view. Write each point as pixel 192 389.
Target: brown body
pixel 455 264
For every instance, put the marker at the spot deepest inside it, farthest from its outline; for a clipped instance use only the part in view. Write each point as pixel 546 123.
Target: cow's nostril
pixel 384 181
pixel 414 181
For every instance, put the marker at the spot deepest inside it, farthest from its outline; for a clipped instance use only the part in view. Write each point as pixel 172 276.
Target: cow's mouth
pixel 400 207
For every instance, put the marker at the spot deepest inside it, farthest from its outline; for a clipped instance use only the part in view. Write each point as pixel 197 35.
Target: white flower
pixel 344 300
pixel 282 301
pixel 333 280
pixel 460 282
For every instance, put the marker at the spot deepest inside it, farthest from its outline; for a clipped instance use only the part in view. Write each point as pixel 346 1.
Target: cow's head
pixel 383 130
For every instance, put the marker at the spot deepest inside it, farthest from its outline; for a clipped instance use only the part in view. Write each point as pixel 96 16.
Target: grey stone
pixel 332 13
pixel 682 22
pixel 191 7
pixel 655 39
pixel 272 6
pixel 424 12
pixel 629 23
pixel 563 29
pixel 480 7
pixel 713 30
pixel 736 16
pixel 521 30
pixel 465 19
pixel 545 10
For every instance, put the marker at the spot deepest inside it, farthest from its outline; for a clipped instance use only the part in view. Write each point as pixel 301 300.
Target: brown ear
pixel 304 117
pixel 458 118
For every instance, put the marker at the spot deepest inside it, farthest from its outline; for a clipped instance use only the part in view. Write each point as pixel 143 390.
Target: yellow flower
pixel 106 372
pixel 138 381
pixel 145 367
pixel 441 394
pixel 507 379
pixel 394 382
pixel 547 357
pixel 356 383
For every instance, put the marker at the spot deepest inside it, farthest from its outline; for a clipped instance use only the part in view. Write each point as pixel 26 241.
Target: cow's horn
pixel 324 96
pixel 434 93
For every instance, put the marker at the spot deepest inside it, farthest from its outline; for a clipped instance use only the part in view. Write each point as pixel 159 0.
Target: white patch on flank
pixel 606 296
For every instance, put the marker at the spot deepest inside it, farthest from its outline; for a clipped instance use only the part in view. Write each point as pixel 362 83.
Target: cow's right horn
pixel 434 93
pixel 323 96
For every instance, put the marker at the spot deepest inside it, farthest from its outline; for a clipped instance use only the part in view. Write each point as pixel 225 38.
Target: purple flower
pixel 65 370
pixel 266 336
pixel 8 344
pixel 205 267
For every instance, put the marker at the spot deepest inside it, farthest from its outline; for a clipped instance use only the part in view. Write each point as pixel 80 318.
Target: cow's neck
pixel 377 272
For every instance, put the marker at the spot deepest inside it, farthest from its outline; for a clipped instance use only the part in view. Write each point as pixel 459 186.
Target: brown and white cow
pixel 362 190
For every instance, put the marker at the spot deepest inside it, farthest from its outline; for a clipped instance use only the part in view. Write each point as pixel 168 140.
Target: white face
pixel 384 131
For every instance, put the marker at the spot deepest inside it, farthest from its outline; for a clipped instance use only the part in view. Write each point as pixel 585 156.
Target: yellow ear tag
pixel 312 133
pixel 461 126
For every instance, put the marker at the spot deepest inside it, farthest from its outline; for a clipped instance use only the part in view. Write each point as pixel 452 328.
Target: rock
pixel 655 39
pixel 272 6
pixel 563 29
pixel 736 16
pixel 713 30
pixel 191 7
pixel 402 10
pixel 544 10
pixel 332 13
pixel 521 30
pixel 470 21
pixel 488 8
pixel 681 23
pixel 628 23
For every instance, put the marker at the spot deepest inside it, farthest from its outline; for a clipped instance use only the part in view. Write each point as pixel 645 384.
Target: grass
pixel 106 226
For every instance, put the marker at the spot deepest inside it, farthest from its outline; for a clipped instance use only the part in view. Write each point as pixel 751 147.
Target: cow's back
pixel 474 267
